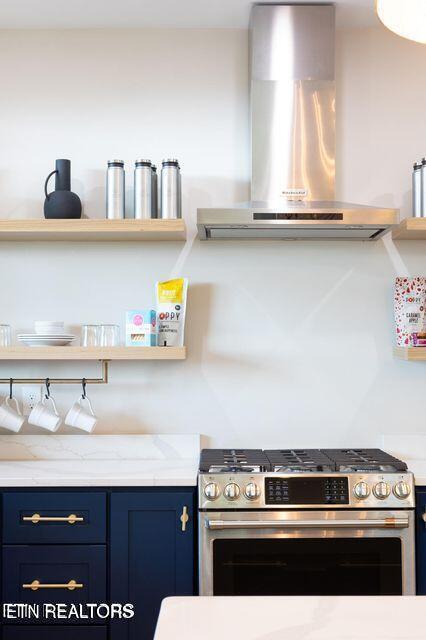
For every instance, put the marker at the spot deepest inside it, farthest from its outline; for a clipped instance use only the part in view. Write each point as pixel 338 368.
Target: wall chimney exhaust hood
pixel 293 137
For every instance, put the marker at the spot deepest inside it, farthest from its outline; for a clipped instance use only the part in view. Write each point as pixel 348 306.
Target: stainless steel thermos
pixel 171 206
pixel 115 198
pixel 417 190
pixel 154 191
pixel 423 188
pixel 143 189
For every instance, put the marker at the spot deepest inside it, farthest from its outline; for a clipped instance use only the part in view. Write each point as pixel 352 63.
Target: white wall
pixel 289 344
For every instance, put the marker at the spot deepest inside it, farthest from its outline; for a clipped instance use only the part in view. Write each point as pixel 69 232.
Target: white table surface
pixel 293 618
pixel 98 473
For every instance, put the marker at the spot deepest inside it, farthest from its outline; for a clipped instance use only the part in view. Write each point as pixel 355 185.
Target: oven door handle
pixel 372 523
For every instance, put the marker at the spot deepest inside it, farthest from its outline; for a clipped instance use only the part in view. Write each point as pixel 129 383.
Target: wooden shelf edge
pixel 95 230
pixel 101 353
pixel 410 229
pixel 410 353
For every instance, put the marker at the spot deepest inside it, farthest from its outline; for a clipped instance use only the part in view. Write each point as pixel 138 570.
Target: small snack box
pixel 141 328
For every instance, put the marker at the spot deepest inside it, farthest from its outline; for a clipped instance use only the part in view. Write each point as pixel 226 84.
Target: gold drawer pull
pixel 35 585
pixel 36 518
pixel 184 518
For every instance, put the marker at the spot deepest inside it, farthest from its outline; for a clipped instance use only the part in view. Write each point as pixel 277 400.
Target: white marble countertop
pixel 98 473
pixel 163 460
pixel 293 618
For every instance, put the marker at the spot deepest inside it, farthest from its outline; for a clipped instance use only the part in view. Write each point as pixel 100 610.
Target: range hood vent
pixel 293 137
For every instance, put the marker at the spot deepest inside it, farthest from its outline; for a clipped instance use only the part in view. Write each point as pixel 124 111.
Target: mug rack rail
pixel 101 380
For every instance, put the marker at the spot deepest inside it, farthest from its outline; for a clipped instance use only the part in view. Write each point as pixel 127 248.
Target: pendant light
pixel 406 18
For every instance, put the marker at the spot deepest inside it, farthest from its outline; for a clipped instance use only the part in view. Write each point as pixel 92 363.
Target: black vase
pixel 61 203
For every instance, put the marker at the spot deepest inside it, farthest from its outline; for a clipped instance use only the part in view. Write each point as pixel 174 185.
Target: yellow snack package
pixel 171 308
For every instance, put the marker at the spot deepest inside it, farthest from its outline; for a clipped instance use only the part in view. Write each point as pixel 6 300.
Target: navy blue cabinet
pixel 421 540
pixel 42 517
pixel 152 555
pixel 118 545
pixel 50 633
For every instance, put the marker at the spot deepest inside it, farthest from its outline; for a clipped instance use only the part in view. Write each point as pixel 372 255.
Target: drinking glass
pixel 5 335
pixel 90 335
pixel 109 335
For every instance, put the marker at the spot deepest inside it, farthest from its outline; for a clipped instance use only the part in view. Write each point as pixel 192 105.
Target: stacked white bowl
pixel 49 327
pixel 48 333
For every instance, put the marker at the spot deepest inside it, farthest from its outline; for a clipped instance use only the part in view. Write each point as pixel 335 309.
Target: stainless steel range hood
pixel 293 137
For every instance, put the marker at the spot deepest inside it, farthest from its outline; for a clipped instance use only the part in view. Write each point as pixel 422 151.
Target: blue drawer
pixel 51 633
pixel 32 518
pixel 26 566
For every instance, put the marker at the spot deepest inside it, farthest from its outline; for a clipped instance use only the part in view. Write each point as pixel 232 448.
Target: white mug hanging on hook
pixel 81 414
pixel 11 417
pixel 45 413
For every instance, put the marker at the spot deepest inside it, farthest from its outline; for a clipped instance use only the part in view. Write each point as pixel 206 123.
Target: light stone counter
pixel 98 473
pixel 96 461
pixel 293 618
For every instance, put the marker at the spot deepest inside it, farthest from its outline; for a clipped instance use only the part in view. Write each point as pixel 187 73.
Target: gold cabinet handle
pixel 36 518
pixel 35 585
pixel 424 516
pixel 184 518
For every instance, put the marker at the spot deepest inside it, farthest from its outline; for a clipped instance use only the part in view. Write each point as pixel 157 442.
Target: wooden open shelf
pixel 93 353
pixel 410 353
pixel 410 229
pixel 99 230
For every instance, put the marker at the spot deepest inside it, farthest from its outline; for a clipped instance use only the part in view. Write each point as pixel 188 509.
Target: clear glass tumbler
pixel 90 335
pixel 109 335
pixel 5 335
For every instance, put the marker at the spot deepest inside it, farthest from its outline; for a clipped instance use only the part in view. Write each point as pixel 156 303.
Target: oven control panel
pixel 314 490
pixel 302 491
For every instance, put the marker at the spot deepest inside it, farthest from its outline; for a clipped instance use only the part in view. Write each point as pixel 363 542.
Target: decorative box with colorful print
pixel 410 306
pixel 141 328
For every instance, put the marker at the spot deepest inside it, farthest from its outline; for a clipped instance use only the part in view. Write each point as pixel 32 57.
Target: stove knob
pixel 401 490
pixel 381 490
pixel 231 491
pixel 211 491
pixel 361 490
pixel 252 491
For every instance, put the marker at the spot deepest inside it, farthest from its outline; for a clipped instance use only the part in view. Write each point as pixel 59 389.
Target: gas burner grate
pixel 364 460
pixel 298 460
pixel 233 460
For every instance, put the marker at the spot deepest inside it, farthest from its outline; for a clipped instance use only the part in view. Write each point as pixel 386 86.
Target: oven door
pixel 307 553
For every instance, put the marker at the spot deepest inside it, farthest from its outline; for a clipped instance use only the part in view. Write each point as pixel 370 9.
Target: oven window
pixel 368 566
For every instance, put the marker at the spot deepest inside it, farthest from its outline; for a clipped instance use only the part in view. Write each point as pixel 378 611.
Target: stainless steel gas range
pixel 305 522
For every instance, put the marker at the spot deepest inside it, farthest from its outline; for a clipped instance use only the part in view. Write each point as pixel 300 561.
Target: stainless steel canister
pixel 423 188
pixel 115 200
pixel 143 190
pixel 171 207
pixel 417 190
pixel 154 191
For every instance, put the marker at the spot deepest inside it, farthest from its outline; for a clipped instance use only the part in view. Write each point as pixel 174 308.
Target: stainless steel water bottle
pixel 417 190
pixel 154 191
pixel 423 188
pixel 115 190
pixel 143 190
pixel 171 207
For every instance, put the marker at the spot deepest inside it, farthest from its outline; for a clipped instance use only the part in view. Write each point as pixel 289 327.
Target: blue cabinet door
pixel 152 555
pixel 40 574
pixel 52 633
pixel 421 540
pixel 52 517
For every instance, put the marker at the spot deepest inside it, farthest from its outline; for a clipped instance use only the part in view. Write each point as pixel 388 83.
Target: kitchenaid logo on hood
pixel 294 193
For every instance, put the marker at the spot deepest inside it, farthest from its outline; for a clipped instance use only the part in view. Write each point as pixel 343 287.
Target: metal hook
pixel 83 384
pixel 47 388
pixel 11 388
